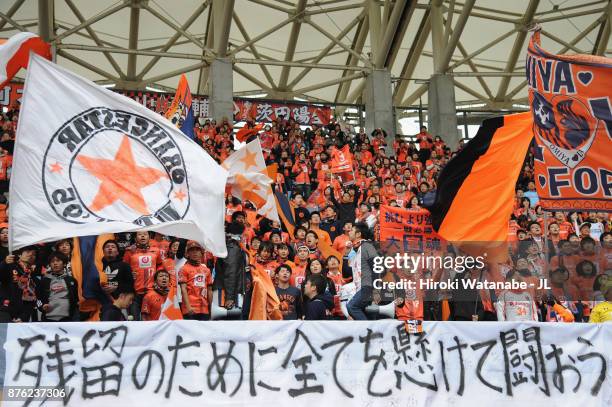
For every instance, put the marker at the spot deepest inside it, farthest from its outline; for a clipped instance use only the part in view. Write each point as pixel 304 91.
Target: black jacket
pixel 73 295
pixel 315 308
pixel 118 273
pixel 230 271
pixel 346 211
pixel 111 313
pixel 10 293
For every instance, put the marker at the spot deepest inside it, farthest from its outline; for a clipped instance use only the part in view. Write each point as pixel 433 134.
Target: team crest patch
pixel 563 126
pixel 106 165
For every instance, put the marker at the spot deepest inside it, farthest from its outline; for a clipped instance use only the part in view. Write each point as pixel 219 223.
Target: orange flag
pixel 265 304
pixel 244 133
pixel 249 180
pixel 170 308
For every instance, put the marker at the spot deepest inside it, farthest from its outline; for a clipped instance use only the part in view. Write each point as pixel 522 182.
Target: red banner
pixel 572 115
pixel 261 111
pixel 403 230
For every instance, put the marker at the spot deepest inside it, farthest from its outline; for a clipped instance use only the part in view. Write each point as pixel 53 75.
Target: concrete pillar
pixel 220 89
pixel 442 114
pixel 379 105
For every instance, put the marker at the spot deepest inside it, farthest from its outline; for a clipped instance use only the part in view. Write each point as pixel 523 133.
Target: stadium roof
pixel 315 50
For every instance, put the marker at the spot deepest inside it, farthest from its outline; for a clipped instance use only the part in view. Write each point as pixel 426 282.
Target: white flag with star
pixel 249 181
pixel 89 161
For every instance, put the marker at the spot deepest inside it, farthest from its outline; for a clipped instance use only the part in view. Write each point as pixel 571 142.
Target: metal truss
pixel 373 38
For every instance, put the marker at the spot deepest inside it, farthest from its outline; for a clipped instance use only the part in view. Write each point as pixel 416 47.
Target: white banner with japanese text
pixel 377 363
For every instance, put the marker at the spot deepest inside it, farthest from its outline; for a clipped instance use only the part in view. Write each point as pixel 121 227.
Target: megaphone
pixel 219 312
pixel 384 310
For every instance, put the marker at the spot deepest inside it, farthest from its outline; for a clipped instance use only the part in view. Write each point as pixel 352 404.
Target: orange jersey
pixel 144 263
pixel 338 282
pixel 5 163
pixel 151 305
pixel 340 243
pixel 170 266
pixel 269 267
pixel 162 245
pixel 197 279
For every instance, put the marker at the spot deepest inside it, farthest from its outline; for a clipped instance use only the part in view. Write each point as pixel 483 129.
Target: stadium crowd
pixel 572 250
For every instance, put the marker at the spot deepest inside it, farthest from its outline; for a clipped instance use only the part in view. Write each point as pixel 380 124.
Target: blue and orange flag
pixel 86 266
pixel 180 112
pixel 570 102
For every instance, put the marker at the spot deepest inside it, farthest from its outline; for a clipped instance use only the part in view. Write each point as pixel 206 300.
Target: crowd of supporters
pixel 572 250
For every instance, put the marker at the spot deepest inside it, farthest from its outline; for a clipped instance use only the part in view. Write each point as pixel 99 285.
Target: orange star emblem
pixel 180 195
pixel 121 179
pixel 56 168
pixel 249 159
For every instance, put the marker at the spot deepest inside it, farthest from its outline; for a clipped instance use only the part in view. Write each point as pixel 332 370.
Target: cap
pixel 193 244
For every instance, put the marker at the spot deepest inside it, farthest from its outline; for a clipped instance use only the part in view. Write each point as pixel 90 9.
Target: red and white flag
pixel 170 308
pixel 15 53
pixel 249 181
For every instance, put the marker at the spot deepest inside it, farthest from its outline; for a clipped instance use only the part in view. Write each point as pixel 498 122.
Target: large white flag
pixel 249 180
pixel 89 161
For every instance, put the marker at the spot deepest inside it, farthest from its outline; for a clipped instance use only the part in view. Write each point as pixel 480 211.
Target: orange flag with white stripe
pixel 170 308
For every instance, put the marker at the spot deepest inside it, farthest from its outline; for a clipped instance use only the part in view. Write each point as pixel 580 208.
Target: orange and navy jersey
pixel 144 263
pixel 151 305
pixel 197 280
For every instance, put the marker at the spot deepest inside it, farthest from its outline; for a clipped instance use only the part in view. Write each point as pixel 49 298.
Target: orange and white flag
pixel 170 308
pixel 249 181
pixel 92 161
pixel 15 53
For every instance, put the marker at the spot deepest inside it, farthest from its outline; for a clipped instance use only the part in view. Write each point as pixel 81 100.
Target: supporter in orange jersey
pixel 155 298
pixel 265 259
pixel 312 242
pixel 388 189
pixel 6 161
pixel 554 233
pixel 581 283
pixel 605 253
pixel 283 255
pixel 342 243
pixel 195 280
pixel 161 243
pixel 144 261
pixel 565 227
pixel 298 274
pixel 315 222
pixel 170 262
pixel 332 265
pixel 254 248
pixel 565 258
pixel 233 205
pixel 558 282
